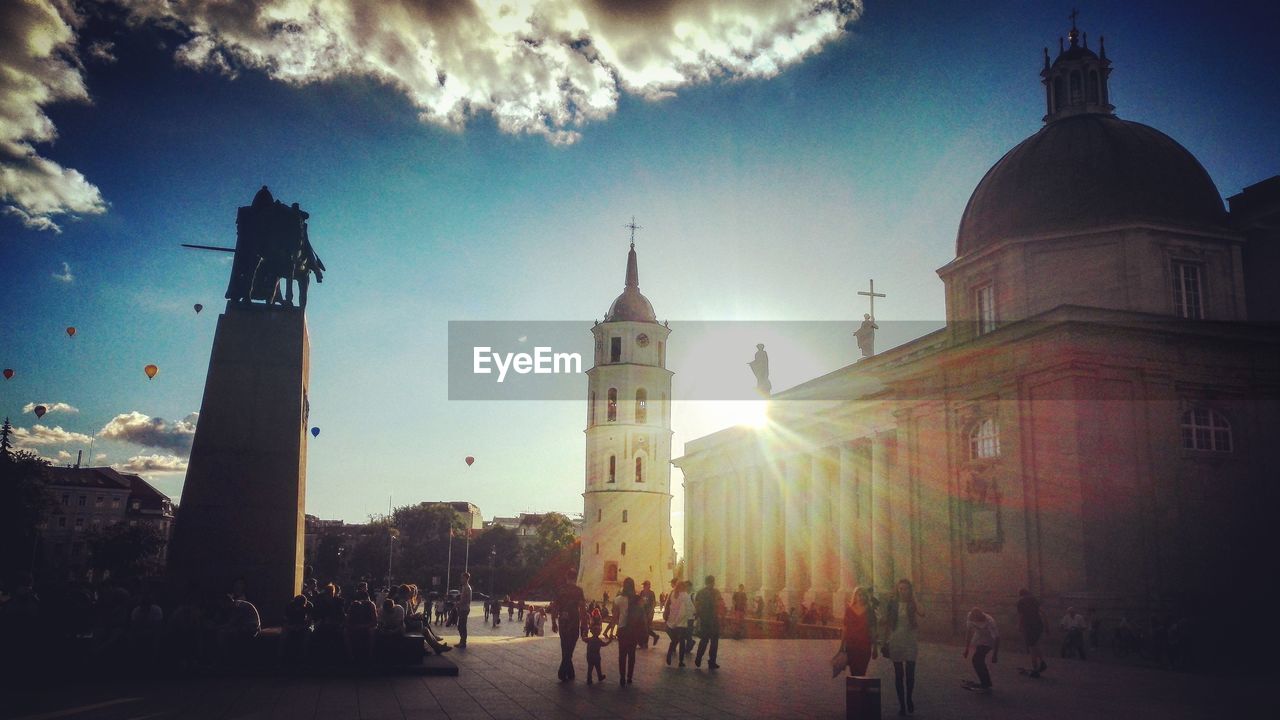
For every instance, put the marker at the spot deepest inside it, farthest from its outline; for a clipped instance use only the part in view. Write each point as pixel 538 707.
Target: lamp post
pixel 493 559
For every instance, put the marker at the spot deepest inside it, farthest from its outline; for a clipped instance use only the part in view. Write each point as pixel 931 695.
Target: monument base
pixel 240 519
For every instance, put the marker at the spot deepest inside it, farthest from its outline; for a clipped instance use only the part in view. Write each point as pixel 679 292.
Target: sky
pixel 468 161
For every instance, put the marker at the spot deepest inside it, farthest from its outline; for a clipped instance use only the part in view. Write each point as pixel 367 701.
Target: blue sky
pixel 763 197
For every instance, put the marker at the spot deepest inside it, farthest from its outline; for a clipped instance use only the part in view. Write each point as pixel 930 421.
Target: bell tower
pixel 626 530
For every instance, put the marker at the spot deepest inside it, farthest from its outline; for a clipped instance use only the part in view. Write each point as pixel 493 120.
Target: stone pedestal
pixel 241 511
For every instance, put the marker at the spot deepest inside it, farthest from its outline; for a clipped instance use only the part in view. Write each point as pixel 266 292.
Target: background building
pixel 87 501
pixel 1092 423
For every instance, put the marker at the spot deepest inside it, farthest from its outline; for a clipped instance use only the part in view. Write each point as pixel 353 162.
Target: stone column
pixel 846 525
pixel 822 536
pixel 752 517
pixel 724 496
pixel 697 514
pixel 772 559
pixel 881 516
pixel 796 501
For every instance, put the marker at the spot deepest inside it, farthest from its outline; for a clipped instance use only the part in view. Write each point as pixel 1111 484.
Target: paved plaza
pixel 507 676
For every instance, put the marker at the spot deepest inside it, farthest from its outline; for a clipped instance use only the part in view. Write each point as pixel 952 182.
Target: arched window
pixel 639 470
pixel 611 572
pixel 642 406
pixel 984 440
pixel 615 349
pixel 624 548
pixel 624 516
pixel 1076 89
pixel 591 409
pixel 1091 89
pixel 612 414
pixel 613 468
pixel 1205 429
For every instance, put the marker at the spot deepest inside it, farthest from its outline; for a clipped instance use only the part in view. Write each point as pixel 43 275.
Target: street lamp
pixel 493 559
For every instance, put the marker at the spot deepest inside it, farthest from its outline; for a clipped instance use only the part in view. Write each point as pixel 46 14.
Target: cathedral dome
pixel 1088 171
pixel 631 305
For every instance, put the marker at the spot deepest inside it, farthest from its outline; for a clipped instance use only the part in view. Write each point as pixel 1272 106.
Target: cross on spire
pixel 634 227
pixel 1074 14
pixel 872 294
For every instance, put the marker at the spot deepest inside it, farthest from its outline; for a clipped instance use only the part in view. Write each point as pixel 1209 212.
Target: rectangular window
pixel 624 516
pixel 101 499
pixel 79 523
pixel 115 502
pixel 66 499
pixel 984 308
pixel 1186 291
pixel 615 349
pixel 81 500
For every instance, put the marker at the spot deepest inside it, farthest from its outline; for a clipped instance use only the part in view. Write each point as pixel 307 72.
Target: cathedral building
pixel 1093 423
pixel 626 529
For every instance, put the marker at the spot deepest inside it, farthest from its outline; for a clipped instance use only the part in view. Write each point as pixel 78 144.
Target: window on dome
pixel 1205 429
pixel 612 414
pixel 984 440
pixel 642 406
pixel 1075 88
pixel 615 349
pixel 1186 291
pixel 984 308
pixel 1091 92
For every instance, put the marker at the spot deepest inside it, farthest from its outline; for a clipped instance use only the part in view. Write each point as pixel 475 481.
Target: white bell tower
pixel 626 530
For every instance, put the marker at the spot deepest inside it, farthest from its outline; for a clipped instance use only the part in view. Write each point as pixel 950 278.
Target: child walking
pixel 984 638
pixel 594 643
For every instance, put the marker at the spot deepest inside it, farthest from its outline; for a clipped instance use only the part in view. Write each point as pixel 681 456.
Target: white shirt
pixel 681 610
pixel 464 600
pixel 985 632
pixel 620 605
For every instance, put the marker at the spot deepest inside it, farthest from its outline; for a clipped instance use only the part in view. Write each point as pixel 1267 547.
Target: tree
pixel 24 499
pixel 127 551
pixel 553 551
pixel 328 558
pixel 423 550
pixel 508 570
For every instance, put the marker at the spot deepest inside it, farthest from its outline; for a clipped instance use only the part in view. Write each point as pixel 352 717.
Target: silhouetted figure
pixel 272 245
pixel 760 366
pixel 567 614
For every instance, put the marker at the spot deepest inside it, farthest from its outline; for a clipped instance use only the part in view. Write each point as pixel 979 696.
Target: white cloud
pixel 537 66
pixel 64 456
pixel 50 407
pixel 44 435
pixel 139 429
pixel 38 67
pixel 64 276
pixel 153 463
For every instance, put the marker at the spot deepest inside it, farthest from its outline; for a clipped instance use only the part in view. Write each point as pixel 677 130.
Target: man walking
pixel 707 606
pixel 1032 624
pixel 650 603
pixel 463 608
pixel 740 610
pixel 567 614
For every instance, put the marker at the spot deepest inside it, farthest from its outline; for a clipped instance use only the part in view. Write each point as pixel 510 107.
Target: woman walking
pixel 901 615
pixel 679 610
pixel 629 630
pixel 859 632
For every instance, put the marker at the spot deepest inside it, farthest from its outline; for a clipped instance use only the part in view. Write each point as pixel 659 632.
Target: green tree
pixel 127 551
pixel 497 550
pixel 24 499
pixel 553 551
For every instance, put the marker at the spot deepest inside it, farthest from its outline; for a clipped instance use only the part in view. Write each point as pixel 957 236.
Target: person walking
pixel 628 610
pixel 463 608
pixel 567 613
pixel 1031 624
pixel 901 614
pixel 708 606
pixel 859 632
pixel 740 610
pixel 679 613
pixel 650 604
pixel 985 638
pixel 1073 625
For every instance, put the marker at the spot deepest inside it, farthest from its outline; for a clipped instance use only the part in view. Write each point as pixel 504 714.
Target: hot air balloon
pixel 315 432
pixel 151 371
pixel 470 460
pixel 40 410
pixel 8 373
pixel 198 307
pixel 71 332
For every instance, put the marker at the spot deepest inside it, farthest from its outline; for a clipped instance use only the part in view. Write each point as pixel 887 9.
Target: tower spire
pixel 633 272
pixel 1076 82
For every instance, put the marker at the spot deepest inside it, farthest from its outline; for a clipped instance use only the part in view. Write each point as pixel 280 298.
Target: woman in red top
pixel 859 632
